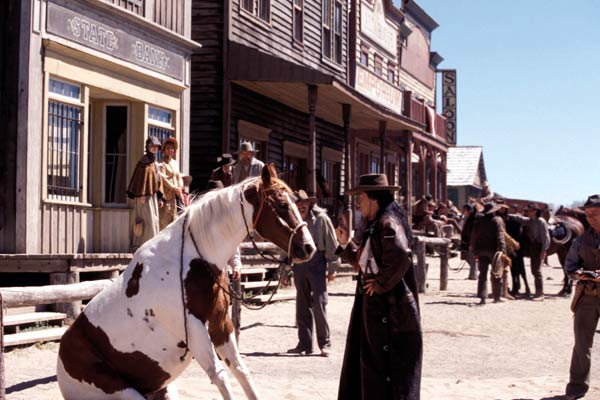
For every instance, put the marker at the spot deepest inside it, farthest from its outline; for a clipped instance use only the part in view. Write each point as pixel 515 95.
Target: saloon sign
pixel 449 102
pixel 83 27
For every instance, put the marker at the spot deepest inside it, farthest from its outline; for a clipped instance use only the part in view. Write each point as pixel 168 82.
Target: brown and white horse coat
pixel 132 340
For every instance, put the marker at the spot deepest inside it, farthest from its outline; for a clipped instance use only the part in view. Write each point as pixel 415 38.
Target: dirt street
pixel 514 350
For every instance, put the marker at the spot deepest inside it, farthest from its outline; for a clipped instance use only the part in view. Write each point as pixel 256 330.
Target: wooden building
pixel 466 173
pixel 327 90
pixel 84 82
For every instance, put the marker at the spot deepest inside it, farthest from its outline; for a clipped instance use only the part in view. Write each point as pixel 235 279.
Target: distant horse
pixel 138 335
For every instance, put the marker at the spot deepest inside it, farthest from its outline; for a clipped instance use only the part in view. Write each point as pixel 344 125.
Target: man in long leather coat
pixel 384 345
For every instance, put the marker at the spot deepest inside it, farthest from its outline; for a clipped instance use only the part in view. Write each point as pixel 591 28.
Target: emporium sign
pixel 376 27
pixel 378 90
pixel 449 102
pixel 92 31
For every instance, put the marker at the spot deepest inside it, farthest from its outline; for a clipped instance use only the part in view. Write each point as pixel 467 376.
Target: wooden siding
pixel 277 38
pixel 9 71
pixel 114 231
pixel 135 6
pixel 64 229
pixel 286 124
pixel 206 108
pixel 415 57
pixel 170 14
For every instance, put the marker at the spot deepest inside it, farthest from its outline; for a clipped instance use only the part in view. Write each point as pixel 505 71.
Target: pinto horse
pixel 169 306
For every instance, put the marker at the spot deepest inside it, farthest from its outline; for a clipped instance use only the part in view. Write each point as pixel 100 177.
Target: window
pixel 364 57
pixel 115 156
pixel 160 124
pixel 259 8
pixel 298 22
pixel 326 28
pixel 294 172
pixel 378 65
pixel 65 127
pixel 391 73
pixel 332 30
pixel 332 176
pixel 337 37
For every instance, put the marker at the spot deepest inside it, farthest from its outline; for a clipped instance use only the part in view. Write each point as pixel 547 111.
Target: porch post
pixel 434 174
pixel 408 146
pixel 312 140
pixel 382 128
pixel 422 169
pixel 444 178
pixel 346 117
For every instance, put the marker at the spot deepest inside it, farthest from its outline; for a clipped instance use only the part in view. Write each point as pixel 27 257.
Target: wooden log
pixel 421 273
pixel 434 241
pixel 51 294
pixel 444 267
pixel 72 308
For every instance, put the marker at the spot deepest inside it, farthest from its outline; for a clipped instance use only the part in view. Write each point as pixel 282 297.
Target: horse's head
pixel 276 217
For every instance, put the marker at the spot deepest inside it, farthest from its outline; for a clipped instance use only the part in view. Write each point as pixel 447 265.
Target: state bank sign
pixel 449 102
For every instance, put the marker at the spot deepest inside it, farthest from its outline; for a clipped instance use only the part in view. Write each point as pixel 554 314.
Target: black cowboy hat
pixel 246 146
pixel 491 208
pixel 300 195
pixel 225 159
pixel 533 206
pixel 373 182
pixel 592 201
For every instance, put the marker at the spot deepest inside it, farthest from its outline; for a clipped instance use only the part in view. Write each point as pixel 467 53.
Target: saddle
pixel 559 233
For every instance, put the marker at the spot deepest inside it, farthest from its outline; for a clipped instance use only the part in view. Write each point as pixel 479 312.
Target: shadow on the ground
pixel 336 294
pixel 29 384
pixel 284 354
pixel 257 324
pixel 453 303
pixel 559 397
pixel 454 334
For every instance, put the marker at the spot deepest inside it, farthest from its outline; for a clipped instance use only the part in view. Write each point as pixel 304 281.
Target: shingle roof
pixel 465 166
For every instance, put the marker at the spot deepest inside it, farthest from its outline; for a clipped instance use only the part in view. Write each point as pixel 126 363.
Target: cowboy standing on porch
pixel 384 344
pixel 172 183
pixel 145 187
pixel 310 277
pixel 583 263
pixel 248 165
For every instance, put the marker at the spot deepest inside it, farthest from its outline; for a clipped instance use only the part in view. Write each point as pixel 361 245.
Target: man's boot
pixel 539 289
pixel 505 292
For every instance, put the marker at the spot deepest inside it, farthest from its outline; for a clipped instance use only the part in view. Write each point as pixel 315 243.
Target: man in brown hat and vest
pixel 583 264
pixel 310 277
pixel 248 165
pixel 223 172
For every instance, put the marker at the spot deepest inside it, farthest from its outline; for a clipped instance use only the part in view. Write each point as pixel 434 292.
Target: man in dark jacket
pixel 223 171
pixel 487 238
pixel 469 214
pixel 583 264
pixel 384 345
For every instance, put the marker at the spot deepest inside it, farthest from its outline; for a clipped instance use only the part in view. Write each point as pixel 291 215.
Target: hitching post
pixel 2 388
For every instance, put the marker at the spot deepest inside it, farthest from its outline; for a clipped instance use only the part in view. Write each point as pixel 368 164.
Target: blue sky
pixel 528 91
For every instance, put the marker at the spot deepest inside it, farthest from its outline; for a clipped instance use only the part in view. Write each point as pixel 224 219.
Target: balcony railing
pixel 135 6
pixel 440 127
pixel 417 111
pixel 167 13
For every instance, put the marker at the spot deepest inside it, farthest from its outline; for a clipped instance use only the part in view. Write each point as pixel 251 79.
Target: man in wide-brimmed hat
pixel 384 343
pixel 487 238
pixel 311 277
pixel 223 172
pixel 538 241
pixel 583 263
pixel 248 165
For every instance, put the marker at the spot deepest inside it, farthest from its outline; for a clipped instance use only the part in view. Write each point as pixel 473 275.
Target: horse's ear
pixel 266 176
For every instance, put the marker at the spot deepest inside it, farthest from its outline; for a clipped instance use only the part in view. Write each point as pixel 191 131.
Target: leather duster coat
pixel 384 344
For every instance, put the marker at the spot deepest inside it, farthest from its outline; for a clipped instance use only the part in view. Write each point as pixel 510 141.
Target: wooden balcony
pixel 417 111
pixel 167 13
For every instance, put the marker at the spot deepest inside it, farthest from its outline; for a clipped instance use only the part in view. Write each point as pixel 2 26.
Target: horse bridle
pixel 282 222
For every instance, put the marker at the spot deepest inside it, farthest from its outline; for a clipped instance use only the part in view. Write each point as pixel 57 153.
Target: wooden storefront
pixel 94 91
